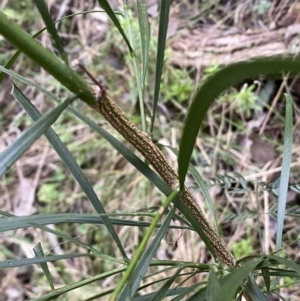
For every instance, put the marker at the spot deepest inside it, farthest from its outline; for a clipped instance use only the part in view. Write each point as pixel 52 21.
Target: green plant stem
pixel 142 245
pixel 14 57
pixel 34 50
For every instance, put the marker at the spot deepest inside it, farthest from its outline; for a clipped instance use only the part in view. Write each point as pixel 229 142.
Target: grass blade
pixel 105 5
pixel 66 238
pixel 265 272
pixel 170 293
pixel 285 169
pixel 254 291
pixel 71 164
pixel 199 296
pixel 14 151
pixel 162 35
pixel 37 260
pixel 62 290
pixel 292 265
pixel 145 37
pixel 214 86
pixel 213 286
pixel 139 264
pixel 13 223
pixel 41 6
pixel 38 251
pixel 137 73
pixel 162 292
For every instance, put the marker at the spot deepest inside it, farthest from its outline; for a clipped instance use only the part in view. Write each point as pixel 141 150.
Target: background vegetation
pixel 48 210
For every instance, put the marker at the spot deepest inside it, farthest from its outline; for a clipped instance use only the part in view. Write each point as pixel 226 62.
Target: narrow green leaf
pixel 266 275
pixel 203 187
pixel 9 63
pixel 137 72
pixel 170 293
pixel 214 86
pixel 38 251
pixel 199 296
pixel 105 5
pixel 283 273
pixel 37 260
pixel 98 296
pixel 285 169
pixel 213 286
pixel 41 6
pixel 21 222
pixel 62 290
pixel 66 237
pixel 149 253
pixel 139 264
pixel 162 292
pixel 160 54
pixel 234 280
pixel 71 164
pixel 254 291
pixel 292 265
pixel 14 151
pixel 14 57
pixel 145 36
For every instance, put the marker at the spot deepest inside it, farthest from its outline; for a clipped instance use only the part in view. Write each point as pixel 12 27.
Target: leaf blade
pixel 14 151
pixel 71 164
pixel 145 36
pixel 213 87
pixel 285 169
pixel 162 36
pixel 41 6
